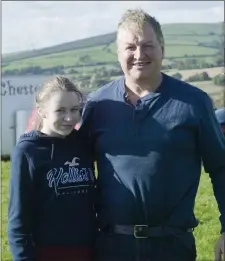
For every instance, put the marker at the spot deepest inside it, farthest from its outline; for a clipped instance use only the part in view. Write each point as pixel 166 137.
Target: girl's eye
pixel 130 48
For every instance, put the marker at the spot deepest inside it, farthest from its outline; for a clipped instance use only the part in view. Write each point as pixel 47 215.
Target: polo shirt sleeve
pixel 211 143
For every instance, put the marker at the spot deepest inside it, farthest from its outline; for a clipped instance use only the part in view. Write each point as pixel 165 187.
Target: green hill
pixel 88 42
pixel 182 41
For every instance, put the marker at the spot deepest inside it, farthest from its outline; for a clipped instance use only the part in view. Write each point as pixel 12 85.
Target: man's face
pixel 140 55
pixel 61 113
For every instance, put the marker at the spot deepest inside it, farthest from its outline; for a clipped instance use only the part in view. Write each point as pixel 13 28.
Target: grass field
pixel 191 50
pixel 205 210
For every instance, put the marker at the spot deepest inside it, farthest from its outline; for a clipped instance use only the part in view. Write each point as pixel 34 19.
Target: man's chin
pixel 140 76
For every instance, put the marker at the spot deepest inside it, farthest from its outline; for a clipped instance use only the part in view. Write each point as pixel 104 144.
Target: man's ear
pixel 118 53
pixel 163 52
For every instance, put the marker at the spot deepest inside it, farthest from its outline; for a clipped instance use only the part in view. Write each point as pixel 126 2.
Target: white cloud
pixel 28 25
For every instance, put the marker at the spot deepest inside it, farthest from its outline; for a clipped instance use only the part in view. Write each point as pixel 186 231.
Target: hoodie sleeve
pixel 20 209
pixel 212 149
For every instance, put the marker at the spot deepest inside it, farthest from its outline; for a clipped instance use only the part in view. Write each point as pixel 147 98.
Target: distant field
pixel 217 93
pixel 187 73
pixel 193 29
pixel 68 58
pixel 191 50
pixel 207 59
pixel 90 69
pixel 193 39
pixel 208 86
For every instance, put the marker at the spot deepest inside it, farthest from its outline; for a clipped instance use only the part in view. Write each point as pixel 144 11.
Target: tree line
pixel 219 79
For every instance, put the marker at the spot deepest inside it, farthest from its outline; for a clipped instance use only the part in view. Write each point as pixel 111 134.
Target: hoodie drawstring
pixel 54 180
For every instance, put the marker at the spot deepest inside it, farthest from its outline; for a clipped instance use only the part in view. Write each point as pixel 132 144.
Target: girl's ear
pixel 41 112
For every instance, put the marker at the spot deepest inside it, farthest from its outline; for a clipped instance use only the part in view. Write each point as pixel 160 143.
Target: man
pixel 150 133
pixel 220 115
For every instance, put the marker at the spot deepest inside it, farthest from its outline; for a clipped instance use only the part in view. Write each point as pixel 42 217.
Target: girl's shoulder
pixel 32 146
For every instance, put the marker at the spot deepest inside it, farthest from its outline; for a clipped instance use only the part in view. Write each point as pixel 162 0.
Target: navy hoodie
pixel 52 194
pixel 149 155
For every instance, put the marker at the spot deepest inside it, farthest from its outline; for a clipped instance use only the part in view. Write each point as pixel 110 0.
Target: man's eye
pixel 150 46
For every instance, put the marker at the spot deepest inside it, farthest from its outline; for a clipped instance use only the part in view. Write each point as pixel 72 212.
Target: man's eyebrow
pixel 150 41
pixel 145 42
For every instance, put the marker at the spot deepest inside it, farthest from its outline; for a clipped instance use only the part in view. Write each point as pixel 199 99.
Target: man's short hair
pixel 136 18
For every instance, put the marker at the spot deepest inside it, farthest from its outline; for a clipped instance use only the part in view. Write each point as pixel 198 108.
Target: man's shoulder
pixel 107 91
pixel 186 89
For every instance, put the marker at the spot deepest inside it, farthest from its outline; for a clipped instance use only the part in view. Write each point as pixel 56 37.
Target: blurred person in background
pixel 220 115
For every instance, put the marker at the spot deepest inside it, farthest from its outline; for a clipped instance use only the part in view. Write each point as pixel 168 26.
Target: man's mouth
pixel 141 64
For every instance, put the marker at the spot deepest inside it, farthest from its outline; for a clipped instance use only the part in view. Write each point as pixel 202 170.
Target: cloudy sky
pixel 33 24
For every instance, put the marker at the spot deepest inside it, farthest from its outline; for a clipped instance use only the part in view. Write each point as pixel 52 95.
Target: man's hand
pixel 219 250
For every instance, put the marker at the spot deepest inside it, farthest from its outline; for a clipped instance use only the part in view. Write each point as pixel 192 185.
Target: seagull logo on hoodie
pixel 73 162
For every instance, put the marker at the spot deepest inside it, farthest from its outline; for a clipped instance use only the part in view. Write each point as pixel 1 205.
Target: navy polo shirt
pixel 149 156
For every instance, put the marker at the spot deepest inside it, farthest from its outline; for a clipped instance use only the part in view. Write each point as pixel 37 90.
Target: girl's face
pixel 60 113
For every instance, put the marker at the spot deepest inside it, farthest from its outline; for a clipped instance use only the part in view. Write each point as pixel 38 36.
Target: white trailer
pixel 17 101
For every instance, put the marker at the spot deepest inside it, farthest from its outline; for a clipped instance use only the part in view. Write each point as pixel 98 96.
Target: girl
pixel 51 206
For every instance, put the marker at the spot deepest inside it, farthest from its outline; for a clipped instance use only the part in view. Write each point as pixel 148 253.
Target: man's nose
pixel 139 53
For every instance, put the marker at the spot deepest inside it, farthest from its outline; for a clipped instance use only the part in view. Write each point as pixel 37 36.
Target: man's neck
pixel 142 88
